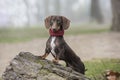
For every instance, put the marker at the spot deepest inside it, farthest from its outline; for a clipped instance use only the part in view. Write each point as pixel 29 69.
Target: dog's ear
pixel 47 21
pixel 66 23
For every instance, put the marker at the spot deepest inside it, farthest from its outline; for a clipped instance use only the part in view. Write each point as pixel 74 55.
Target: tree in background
pixel 57 6
pixel 33 12
pixel 116 15
pixel 46 6
pixel 96 13
pixel 27 12
pixel 38 13
pixel 68 8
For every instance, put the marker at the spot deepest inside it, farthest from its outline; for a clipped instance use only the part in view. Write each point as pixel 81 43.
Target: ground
pixel 86 46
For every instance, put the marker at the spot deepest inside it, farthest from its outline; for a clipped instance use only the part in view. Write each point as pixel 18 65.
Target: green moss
pixel 44 72
pixel 40 62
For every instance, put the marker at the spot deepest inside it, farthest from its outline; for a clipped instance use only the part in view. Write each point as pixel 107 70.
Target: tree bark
pixel 26 66
pixel 116 15
pixel 96 11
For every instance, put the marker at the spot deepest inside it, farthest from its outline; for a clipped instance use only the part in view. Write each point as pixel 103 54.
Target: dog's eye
pixel 51 22
pixel 58 21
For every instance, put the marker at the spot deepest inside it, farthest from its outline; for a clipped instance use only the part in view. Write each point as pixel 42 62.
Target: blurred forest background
pixel 33 12
pixel 93 33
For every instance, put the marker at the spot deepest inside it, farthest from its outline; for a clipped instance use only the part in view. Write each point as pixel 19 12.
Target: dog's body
pixel 57 46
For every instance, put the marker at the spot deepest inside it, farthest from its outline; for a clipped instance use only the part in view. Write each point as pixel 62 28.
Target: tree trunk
pixel 46 5
pixel 96 11
pixel 26 66
pixel 57 6
pixel 27 12
pixel 116 15
pixel 38 13
pixel 68 11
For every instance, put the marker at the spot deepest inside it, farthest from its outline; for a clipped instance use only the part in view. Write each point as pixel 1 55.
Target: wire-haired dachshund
pixel 57 46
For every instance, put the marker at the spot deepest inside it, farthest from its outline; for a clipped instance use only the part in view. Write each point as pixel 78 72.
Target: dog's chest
pixel 52 44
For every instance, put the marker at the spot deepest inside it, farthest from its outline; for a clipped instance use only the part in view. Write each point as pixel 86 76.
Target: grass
pixel 1 78
pixel 79 30
pixel 11 35
pixel 97 67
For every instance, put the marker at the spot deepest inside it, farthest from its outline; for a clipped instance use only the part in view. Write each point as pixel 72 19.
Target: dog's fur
pixel 57 46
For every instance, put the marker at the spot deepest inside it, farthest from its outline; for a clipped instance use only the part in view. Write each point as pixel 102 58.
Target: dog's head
pixel 57 22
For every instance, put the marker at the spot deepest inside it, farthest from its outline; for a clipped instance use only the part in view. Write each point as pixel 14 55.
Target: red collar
pixel 58 33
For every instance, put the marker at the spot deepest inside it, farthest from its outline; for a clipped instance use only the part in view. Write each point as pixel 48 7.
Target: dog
pixel 57 46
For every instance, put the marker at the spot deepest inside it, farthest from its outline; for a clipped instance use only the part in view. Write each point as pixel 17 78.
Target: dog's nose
pixel 54 30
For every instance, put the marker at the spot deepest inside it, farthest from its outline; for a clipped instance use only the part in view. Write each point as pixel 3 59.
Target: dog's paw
pixel 41 57
pixel 55 61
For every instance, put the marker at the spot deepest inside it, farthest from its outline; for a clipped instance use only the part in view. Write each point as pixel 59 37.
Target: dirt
pixel 87 47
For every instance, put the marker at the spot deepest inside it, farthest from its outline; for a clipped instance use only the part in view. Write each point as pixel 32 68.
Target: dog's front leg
pixel 59 55
pixel 44 56
pixel 47 51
